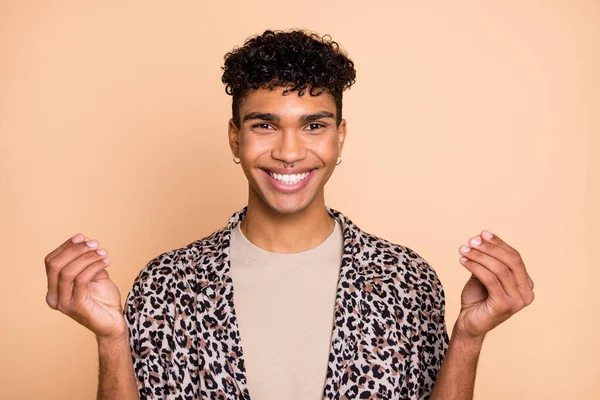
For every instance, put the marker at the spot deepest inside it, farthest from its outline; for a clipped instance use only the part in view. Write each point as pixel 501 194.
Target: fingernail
pixel 91 243
pixel 463 259
pixel 101 252
pixel 465 249
pixel 77 238
pixel 475 241
pixel 487 235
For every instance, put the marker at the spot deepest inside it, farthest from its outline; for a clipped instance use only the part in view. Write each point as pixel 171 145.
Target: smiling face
pixel 276 128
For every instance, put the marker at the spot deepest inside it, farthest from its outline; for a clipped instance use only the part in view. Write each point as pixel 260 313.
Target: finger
pixel 69 273
pixel 489 280
pixel 77 238
pixel 92 272
pixel 61 260
pixel 502 272
pixel 510 258
pixel 494 239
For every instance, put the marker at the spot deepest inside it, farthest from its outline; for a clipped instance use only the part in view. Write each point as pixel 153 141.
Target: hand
pixel 499 286
pixel 79 287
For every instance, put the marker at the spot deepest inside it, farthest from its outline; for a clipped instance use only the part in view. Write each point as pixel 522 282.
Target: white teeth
pixel 290 179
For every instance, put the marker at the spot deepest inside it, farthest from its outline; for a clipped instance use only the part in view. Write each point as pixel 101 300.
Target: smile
pixel 288 183
pixel 289 179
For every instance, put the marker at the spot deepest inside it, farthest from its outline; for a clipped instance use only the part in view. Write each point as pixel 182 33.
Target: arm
pixel 80 287
pixel 499 287
pixel 456 378
pixel 116 379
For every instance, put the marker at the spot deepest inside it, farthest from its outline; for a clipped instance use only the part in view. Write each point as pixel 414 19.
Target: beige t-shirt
pixel 284 304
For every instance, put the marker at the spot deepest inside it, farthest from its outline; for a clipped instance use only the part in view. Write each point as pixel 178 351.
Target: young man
pixel 321 308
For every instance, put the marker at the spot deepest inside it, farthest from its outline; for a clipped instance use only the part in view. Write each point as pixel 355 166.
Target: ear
pixel 233 133
pixel 341 135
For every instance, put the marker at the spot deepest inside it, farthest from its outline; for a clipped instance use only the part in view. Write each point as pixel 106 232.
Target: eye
pixel 261 126
pixel 314 126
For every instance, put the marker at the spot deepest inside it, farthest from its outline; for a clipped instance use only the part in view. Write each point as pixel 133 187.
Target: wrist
pixel 112 340
pixel 467 342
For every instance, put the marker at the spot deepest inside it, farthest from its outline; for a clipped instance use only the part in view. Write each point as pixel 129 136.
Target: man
pixel 325 309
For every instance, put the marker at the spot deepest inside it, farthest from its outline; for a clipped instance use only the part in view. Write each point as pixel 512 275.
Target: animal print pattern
pixel 388 332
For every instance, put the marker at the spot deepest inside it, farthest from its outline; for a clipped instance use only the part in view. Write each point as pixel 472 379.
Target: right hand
pixel 79 287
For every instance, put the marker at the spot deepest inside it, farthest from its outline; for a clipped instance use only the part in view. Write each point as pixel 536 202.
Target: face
pixel 295 129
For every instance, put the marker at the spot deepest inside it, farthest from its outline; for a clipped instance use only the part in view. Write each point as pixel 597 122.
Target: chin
pixel 287 207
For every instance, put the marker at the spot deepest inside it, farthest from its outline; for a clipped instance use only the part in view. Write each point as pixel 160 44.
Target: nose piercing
pixel 285 164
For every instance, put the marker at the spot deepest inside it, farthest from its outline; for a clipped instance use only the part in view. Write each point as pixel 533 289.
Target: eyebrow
pixel 262 116
pixel 316 116
pixel 275 117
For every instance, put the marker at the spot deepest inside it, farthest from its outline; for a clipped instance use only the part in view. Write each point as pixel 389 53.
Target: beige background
pixel 464 117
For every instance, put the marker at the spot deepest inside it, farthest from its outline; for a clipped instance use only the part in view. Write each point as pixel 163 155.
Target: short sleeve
pixel 434 330
pixel 132 312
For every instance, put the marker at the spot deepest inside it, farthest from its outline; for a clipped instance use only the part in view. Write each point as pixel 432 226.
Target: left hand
pixel 499 286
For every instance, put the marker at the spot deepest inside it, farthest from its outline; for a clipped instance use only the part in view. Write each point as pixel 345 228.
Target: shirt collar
pixel 355 241
pixel 215 290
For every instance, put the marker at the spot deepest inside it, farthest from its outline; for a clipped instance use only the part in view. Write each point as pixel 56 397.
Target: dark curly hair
pixel 297 60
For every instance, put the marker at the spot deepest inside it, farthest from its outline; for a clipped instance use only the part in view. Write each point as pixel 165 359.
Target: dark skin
pixel 290 128
pixel 498 288
pixel 301 129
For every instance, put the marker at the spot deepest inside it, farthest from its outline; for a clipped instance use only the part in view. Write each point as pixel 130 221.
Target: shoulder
pixel 176 268
pixel 379 258
pixel 384 258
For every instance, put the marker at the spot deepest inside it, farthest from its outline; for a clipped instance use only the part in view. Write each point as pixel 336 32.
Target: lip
pixel 286 187
pixel 285 171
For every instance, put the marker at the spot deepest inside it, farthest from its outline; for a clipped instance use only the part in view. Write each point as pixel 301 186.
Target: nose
pixel 289 146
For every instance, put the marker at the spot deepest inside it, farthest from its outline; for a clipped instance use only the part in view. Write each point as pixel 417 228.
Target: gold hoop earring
pixel 339 160
pixel 238 160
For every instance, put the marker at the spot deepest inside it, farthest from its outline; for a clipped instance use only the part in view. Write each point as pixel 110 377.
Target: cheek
pixel 326 149
pixel 253 148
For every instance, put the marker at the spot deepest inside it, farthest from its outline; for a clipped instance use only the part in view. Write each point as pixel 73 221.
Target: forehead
pixel 265 100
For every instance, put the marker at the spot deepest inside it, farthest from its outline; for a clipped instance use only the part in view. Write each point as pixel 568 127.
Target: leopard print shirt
pixel 388 338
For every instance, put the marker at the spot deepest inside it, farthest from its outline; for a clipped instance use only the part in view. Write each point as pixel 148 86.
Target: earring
pixel 238 160
pixel 339 160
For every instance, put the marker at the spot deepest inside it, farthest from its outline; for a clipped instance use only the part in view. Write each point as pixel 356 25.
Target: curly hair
pixel 297 60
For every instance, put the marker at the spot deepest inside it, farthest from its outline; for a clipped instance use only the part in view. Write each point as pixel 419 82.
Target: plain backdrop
pixel 465 116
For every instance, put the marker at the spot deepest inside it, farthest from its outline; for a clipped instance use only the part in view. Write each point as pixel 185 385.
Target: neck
pixel 287 233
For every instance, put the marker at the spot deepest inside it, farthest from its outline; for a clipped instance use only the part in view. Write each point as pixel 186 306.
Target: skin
pixel 80 287
pixel 283 222
pixel 499 287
